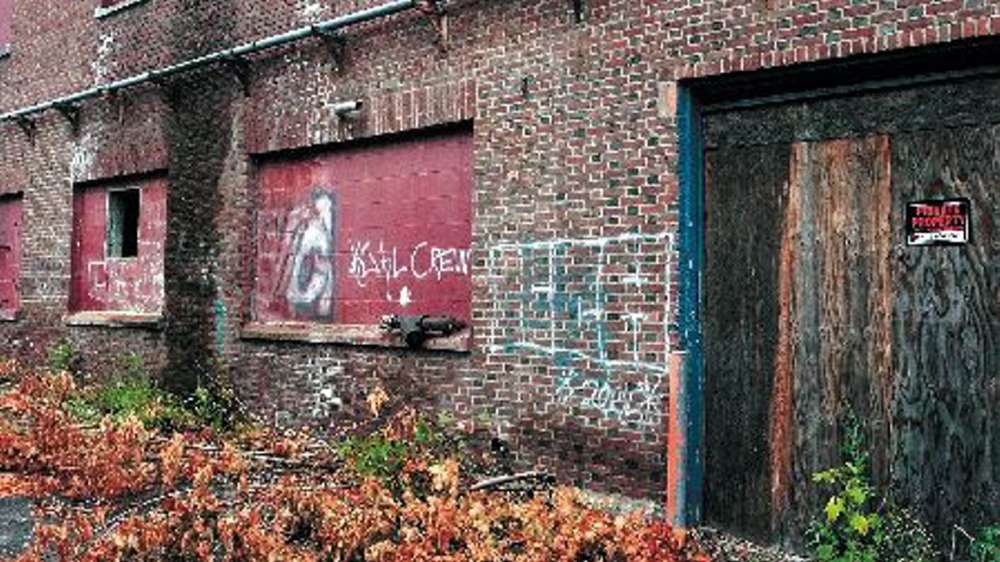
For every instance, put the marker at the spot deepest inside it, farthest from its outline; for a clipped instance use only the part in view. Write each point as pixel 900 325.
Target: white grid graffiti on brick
pixel 596 309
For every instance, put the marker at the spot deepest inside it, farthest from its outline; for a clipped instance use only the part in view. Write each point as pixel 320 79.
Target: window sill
pixel 104 11
pixel 350 334
pixel 109 319
pixel 9 316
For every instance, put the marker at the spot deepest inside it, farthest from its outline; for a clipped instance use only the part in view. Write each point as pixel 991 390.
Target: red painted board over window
pixel 105 278
pixel 10 253
pixel 350 235
pixel 5 17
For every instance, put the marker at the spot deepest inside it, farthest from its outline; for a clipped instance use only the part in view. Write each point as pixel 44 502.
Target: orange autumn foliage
pixel 265 496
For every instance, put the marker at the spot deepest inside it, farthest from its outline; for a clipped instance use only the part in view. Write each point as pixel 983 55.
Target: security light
pixel 347 109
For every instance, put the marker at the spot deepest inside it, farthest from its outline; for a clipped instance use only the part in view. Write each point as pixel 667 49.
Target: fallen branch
pixel 500 480
pixel 268 457
pixel 954 546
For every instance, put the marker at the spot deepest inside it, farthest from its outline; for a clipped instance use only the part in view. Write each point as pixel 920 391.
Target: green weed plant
pixel 859 526
pixel 850 529
pixel 385 455
pixel 986 547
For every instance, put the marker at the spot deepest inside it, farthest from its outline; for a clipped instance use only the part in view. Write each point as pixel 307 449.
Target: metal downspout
pixel 322 28
pixel 686 429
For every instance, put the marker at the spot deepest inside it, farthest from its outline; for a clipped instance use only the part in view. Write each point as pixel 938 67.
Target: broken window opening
pixel 123 223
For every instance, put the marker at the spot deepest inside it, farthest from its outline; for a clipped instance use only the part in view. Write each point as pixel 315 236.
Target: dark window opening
pixel 123 223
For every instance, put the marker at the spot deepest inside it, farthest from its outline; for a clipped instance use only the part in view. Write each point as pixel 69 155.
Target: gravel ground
pixel 727 548
pixel 16 525
pixel 721 546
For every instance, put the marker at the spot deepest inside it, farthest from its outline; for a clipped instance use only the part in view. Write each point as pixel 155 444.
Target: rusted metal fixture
pixel 416 328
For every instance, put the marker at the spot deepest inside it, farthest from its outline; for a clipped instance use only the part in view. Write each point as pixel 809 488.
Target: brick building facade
pixel 516 165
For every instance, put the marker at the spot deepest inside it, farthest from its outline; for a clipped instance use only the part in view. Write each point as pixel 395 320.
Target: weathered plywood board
pixel 744 210
pixel 838 341
pixel 946 334
pixel 948 103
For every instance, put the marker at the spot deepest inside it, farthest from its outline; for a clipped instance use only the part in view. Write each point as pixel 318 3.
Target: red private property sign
pixel 938 223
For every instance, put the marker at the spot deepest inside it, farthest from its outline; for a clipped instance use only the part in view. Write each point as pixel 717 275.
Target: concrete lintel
pixel 112 319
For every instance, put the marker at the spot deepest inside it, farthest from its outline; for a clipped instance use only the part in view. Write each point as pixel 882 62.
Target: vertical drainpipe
pixel 685 455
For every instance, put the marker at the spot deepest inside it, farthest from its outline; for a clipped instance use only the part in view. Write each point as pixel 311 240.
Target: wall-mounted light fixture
pixel 347 109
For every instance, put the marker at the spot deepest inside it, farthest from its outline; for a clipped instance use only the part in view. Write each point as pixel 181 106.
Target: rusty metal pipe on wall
pixel 323 28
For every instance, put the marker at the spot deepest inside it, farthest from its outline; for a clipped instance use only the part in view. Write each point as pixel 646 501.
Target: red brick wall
pixel 717 37
pixel 574 204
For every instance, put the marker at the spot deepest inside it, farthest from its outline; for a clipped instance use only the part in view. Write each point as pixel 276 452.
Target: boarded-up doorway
pixel 817 311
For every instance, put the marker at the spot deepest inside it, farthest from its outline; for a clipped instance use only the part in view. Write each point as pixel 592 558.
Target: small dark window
pixel 123 223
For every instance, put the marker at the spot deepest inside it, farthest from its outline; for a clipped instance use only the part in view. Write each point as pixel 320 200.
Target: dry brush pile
pixel 119 490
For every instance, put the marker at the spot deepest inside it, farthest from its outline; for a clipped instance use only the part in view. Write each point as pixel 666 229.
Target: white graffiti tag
pixel 640 403
pixel 379 261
